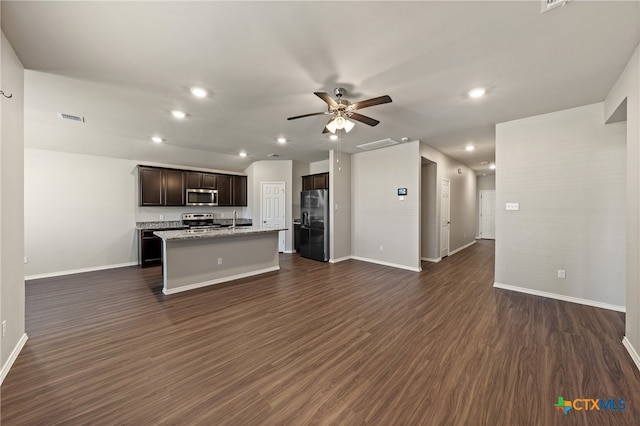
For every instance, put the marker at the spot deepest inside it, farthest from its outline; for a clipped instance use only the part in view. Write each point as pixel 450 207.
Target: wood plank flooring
pixel 315 343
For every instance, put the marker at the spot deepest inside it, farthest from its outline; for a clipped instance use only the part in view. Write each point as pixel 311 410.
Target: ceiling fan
pixel 342 111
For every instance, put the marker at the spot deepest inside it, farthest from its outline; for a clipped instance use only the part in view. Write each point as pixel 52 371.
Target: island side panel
pixel 193 263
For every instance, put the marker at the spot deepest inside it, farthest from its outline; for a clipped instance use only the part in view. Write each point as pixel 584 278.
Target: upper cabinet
pixel 201 180
pixel 225 197
pixel 317 181
pixel 166 187
pixel 239 190
pixel 161 187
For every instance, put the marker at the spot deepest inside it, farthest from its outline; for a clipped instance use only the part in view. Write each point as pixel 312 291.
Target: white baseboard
pixel 340 259
pixel 288 251
pixel 12 357
pixel 380 262
pixel 462 248
pixel 428 259
pixel 79 271
pixel 219 280
pixel 561 297
pixel 634 354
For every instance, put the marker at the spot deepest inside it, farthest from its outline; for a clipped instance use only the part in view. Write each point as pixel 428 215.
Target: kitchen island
pixel 198 258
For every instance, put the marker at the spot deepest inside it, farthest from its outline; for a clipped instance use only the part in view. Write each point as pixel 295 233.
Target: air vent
pixel 548 5
pixel 71 117
pixel 273 155
pixel 378 144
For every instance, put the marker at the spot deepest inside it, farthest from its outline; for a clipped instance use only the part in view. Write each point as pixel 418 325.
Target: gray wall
pixel 271 171
pixel 379 219
pixel 430 249
pixel 340 199
pixel 566 170
pixel 94 196
pixel 462 199
pixel 299 169
pixel 627 88
pixel 12 308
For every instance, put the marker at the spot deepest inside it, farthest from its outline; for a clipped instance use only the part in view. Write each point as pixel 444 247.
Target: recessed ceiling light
pixel 199 92
pixel 156 139
pixel 469 148
pixel 243 154
pixel 477 92
pixel 492 167
pixel 178 114
pixel 333 137
pixel 282 140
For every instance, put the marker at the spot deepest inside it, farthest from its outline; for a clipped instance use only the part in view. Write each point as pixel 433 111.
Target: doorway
pixel 487 214
pixel 272 214
pixel 445 217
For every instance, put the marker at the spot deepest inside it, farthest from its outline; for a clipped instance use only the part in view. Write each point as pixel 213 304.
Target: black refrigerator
pixel 314 224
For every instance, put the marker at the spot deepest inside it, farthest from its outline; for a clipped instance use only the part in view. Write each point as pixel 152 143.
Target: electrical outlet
pixel 381 247
pixel 562 274
pixel 26 260
pixel 161 217
pixel 219 261
pixel 4 328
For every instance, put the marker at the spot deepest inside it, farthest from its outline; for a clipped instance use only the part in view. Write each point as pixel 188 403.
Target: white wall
pixel 319 167
pixel 627 88
pixel 566 170
pixel 272 171
pixel 462 192
pixel 378 217
pixel 12 304
pixel 340 200
pixel 299 169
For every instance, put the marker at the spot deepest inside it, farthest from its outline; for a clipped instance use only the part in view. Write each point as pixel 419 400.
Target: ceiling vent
pixel 70 117
pixel 273 155
pixel 378 144
pixel 548 5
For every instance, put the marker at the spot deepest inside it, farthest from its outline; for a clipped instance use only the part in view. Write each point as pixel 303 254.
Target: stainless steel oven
pixel 202 197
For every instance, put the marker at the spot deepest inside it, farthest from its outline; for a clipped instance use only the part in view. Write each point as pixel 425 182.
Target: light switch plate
pixel 513 206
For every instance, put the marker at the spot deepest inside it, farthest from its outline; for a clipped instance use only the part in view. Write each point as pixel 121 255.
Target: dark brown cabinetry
pixel 232 190
pixel 167 187
pixel 201 180
pixel 174 188
pixel 161 187
pixel 239 186
pixel 225 194
pixel 316 181
pixel 150 249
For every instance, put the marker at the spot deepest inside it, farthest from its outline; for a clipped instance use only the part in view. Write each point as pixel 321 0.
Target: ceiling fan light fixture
pixel 340 123
pixel 331 126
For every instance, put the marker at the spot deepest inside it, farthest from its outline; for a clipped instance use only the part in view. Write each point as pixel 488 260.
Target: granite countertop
pixel 215 233
pixel 160 225
pixel 168 224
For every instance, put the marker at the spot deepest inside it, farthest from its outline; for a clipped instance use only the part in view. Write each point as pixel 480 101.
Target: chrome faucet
pixel 235 217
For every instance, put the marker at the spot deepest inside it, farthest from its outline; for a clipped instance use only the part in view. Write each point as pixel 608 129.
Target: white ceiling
pixel 125 65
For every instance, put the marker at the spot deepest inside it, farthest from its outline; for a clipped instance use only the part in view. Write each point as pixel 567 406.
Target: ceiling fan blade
pixel 364 119
pixel 372 102
pixel 307 115
pixel 327 98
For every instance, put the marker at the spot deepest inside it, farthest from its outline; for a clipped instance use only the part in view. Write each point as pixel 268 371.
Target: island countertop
pixel 214 233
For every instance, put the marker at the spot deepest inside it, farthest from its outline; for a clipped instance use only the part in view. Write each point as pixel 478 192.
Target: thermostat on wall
pixel 402 194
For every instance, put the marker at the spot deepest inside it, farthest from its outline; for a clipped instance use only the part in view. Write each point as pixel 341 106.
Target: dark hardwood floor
pixel 345 343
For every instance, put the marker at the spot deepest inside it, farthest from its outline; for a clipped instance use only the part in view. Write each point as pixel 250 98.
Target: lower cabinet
pixel 149 249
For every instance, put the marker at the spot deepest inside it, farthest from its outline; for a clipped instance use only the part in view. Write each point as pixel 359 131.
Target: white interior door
pixel 488 214
pixel 272 209
pixel 445 218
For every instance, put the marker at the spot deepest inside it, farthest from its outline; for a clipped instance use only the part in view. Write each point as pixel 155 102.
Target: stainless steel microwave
pixel 202 197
